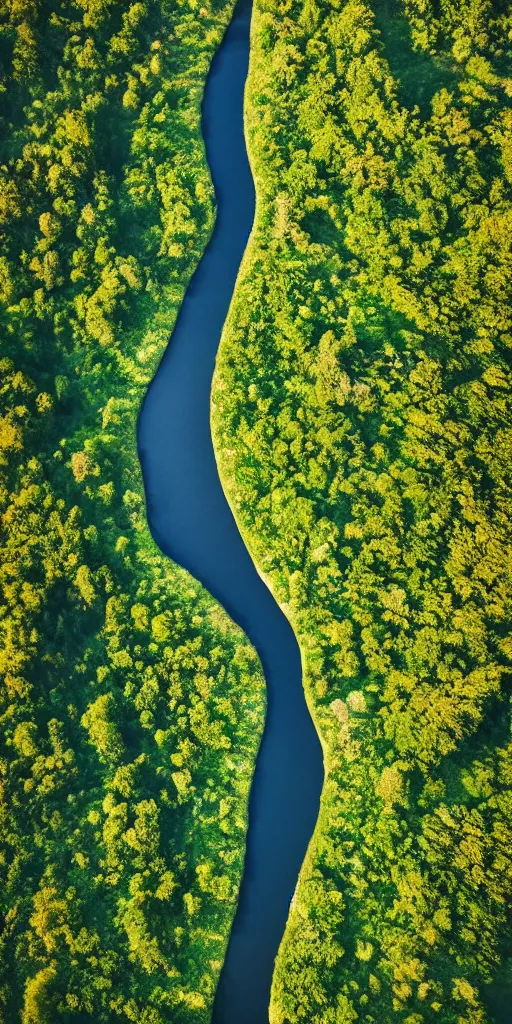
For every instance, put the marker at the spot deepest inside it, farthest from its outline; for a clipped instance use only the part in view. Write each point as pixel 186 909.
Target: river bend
pixel 191 522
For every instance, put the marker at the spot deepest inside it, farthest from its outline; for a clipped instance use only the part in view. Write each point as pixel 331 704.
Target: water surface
pixel 191 522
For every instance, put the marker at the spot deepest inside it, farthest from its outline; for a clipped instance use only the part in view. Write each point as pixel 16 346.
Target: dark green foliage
pixel 131 706
pixel 363 422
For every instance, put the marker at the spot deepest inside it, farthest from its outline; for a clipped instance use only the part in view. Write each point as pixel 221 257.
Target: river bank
pixel 192 523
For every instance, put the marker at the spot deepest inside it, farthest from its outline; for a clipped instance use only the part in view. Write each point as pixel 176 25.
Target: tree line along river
pixel 191 522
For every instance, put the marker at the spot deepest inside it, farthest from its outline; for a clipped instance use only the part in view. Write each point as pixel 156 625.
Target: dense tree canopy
pixel 131 706
pixel 363 424
pixel 363 421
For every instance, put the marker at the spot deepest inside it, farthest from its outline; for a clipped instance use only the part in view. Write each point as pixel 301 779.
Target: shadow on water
pixel 191 522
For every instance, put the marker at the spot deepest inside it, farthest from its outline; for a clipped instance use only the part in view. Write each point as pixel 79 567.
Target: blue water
pixel 191 522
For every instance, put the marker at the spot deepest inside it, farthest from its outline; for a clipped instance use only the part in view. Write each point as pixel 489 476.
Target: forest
pixel 363 426
pixel 131 706
pixel 362 419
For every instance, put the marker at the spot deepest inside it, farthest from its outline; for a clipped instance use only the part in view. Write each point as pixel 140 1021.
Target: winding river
pixel 191 522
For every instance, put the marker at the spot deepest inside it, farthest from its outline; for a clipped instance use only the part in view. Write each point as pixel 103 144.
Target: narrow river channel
pixel 191 522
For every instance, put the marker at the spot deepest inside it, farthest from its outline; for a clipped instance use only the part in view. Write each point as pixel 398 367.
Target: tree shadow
pixel 418 74
pixel 497 997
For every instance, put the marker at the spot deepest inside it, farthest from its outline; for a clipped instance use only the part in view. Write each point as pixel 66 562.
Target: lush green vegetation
pixel 131 706
pixel 363 423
